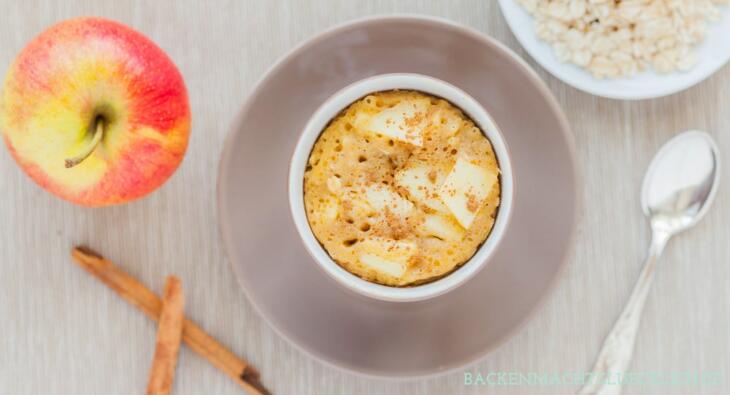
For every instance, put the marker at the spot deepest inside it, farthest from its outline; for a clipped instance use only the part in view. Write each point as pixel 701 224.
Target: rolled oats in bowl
pixel 619 38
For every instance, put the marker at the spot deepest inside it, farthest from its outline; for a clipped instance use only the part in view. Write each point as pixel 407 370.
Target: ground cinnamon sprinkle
pixel 371 176
pixel 432 176
pixel 415 260
pixel 414 120
pixel 472 203
pixel 398 228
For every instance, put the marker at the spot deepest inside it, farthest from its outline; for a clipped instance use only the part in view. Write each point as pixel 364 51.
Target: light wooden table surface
pixel 61 332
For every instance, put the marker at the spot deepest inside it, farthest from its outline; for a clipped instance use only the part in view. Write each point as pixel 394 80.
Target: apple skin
pixel 85 69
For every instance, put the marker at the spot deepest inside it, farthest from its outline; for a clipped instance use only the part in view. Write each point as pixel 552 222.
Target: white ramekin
pixel 341 100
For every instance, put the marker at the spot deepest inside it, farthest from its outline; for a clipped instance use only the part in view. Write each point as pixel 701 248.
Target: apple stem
pixel 98 134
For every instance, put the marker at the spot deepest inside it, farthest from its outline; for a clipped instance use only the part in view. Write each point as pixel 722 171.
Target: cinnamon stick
pixel 137 294
pixel 169 334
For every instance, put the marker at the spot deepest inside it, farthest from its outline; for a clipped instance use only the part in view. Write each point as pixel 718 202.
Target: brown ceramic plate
pixel 384 338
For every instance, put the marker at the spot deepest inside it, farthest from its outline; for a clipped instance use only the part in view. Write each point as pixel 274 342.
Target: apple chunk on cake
pixel 465 190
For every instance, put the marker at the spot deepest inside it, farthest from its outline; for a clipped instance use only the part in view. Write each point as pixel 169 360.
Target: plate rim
pixel 544 91
pixel 616 95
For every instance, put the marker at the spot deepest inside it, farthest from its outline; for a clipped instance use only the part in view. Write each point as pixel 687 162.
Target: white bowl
pixel 713 53
pixel 317 123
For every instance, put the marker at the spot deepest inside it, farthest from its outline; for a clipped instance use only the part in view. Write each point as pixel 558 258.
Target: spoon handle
pixel 617 349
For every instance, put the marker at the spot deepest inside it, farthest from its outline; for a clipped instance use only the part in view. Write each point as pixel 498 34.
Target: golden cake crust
pixel 371 197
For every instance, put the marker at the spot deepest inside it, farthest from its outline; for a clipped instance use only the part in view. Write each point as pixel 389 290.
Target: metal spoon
pixel 678 189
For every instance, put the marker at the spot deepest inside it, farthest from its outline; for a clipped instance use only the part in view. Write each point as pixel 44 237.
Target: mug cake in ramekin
pixel 401 187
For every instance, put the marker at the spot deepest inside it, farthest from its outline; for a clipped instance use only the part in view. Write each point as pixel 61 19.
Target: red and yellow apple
pixel 95 112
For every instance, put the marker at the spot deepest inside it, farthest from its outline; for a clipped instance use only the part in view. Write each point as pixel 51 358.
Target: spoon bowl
pixel 681 182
